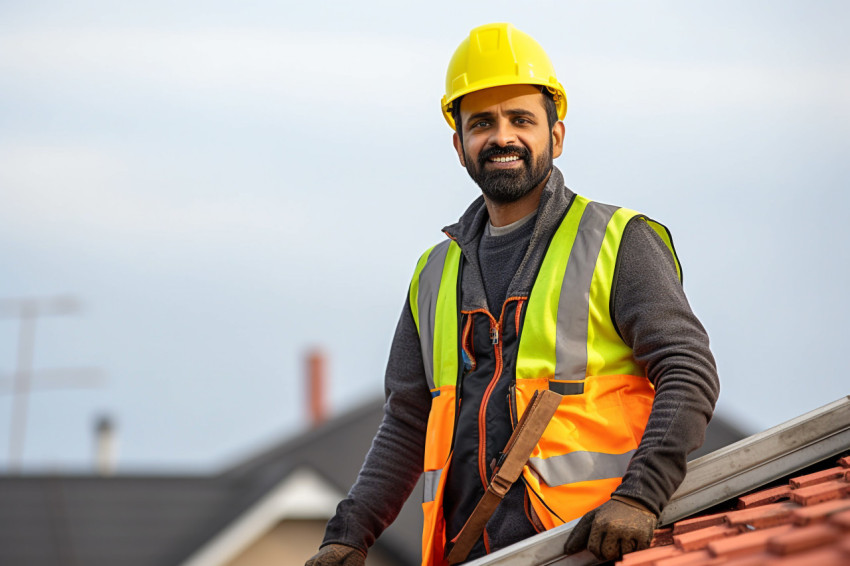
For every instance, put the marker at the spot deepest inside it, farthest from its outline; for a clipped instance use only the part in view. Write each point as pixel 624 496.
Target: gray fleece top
pixel 655 320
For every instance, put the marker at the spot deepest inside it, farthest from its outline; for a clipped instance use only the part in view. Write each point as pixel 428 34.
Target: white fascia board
pixel 303 494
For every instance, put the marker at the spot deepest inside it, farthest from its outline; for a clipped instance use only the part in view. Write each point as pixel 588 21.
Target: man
pixel 536 288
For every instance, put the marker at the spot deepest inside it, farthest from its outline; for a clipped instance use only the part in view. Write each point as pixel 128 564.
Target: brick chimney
pixel 316 367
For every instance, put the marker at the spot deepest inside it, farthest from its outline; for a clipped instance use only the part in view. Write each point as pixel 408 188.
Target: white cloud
pixel 65 190
pixel 304 67
pixel 650 86
pixel 315 69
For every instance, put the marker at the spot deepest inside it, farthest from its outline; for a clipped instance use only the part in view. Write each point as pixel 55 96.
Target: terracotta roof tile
pixel 841 520
pixel 820 512
pixel 819 477
pixel 766 529
pixel 820 557
pixel 757 559
pixel 772 495
pixel 747 543
pixel 820 492
pixel 698 558
pixel 696 523
pixel 649 556
pixel 803 538
pixel 762 516
pixel 696 540
pixel 662 537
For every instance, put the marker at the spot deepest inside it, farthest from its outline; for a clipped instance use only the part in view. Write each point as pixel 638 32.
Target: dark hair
pixel 548 103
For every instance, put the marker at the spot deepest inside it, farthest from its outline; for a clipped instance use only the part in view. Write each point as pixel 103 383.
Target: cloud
pixel 254 63
pixel 651 86
pixel 54 190
pixel 278 69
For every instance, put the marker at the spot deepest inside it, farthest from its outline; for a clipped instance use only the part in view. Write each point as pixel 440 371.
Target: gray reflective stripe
pixel 566 388
pixel 580 466
pixel 574 301
pixel 429 286
pixel 431 481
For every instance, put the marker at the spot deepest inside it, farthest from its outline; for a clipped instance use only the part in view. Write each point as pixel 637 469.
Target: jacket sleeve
pixel 656 321
pixel 394 462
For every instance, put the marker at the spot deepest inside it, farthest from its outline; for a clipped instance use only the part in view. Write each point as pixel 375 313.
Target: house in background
pixel 268 510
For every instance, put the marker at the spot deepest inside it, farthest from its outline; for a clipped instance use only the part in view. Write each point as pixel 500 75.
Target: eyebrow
pixel 510 112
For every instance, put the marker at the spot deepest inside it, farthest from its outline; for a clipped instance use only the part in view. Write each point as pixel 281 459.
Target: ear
pixel 459 149
pixel 557 139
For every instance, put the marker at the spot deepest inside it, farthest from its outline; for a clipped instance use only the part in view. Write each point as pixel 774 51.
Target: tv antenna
pixel 24 379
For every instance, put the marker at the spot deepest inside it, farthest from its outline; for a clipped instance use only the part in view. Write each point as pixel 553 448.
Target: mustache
pixel 486 154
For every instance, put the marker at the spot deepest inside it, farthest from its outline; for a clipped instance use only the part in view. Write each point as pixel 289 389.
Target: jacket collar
pixel 554 201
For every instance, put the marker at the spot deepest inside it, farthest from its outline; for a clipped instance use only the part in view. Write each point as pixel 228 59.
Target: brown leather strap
pixel 525 437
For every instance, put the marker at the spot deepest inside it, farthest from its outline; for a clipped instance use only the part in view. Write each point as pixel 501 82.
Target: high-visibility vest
pixel 568 343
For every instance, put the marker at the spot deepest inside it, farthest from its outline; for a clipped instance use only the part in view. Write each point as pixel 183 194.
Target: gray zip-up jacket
pixel 655 320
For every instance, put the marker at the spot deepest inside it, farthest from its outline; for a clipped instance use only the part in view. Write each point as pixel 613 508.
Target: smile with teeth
pixel 504 158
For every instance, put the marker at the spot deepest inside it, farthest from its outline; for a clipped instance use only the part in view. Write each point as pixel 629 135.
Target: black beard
pixel 504 186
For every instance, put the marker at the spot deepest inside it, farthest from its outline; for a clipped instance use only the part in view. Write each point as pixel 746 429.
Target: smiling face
pixel 507 145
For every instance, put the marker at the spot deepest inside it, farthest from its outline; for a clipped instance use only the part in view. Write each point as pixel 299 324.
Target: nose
pixel 504 134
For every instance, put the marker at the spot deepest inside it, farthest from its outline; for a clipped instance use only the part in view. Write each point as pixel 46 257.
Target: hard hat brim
pixel 556 89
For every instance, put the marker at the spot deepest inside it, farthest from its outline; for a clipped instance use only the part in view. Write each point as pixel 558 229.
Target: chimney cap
pixel 104 423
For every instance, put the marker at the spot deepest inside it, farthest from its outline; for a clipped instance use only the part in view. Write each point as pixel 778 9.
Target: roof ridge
pixel 276 449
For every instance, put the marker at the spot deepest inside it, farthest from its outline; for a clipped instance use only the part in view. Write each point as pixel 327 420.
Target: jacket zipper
pixel 496 341
pixel 512 389
pixel 482 413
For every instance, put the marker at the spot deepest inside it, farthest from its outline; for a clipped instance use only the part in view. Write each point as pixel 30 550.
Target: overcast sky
pixel 224 185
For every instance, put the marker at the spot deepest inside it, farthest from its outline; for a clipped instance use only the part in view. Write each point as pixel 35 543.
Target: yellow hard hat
pixel 499 55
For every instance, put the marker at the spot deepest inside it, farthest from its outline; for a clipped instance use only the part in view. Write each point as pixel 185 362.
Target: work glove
pixel 337 555
pixel 613 529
